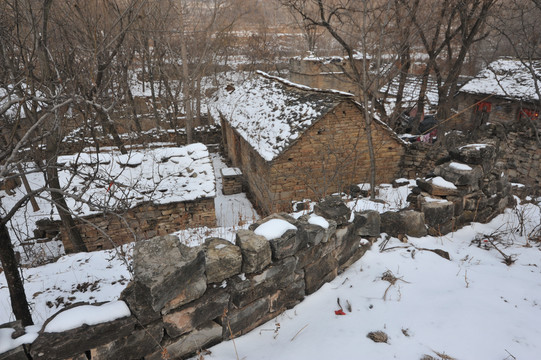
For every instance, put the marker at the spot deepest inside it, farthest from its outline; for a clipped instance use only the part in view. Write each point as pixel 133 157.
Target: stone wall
pixel 210 134
pixel 468 186
pixel 144 221
pixel 184 299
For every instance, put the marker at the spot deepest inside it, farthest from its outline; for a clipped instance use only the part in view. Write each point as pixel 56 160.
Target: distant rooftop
pixel 508 78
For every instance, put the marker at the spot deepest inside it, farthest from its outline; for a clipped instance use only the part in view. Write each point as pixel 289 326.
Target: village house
pixel 503 92
pixel 502 104
pixel 123 198
pixel 294 143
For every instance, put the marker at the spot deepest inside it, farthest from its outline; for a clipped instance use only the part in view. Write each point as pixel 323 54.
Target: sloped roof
pixel 508 78
pixel 270 113
pixel 412 88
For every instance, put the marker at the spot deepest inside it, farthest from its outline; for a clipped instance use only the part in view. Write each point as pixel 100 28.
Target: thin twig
pixel 298 332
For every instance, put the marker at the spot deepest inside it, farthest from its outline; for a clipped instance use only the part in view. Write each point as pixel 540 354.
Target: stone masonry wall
pixel 184 299
pixel 141 222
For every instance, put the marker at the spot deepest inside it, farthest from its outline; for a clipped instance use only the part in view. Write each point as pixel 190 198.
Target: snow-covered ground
pixel 471 307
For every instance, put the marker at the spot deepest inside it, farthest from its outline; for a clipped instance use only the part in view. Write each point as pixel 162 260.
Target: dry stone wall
pixel 184 299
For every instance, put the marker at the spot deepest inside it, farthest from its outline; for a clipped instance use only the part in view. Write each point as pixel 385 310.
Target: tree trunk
pixel 62 208
pixel 186 83
pixel 19 304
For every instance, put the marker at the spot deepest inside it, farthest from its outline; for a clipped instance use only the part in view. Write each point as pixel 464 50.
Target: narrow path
pixel 231 210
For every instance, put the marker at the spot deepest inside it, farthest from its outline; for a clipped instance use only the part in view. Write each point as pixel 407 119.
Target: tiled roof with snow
pixel 412 89
pixel 116 181
pixel 271 113
pixel 507 78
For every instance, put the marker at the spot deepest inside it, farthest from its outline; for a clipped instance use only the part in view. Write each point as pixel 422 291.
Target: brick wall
pixel 327 158
pixel 142 222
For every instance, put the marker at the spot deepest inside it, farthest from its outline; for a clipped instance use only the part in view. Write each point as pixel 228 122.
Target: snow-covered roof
pixel 112 180
pixel 270 113
pixel 412 89
pixel 508 78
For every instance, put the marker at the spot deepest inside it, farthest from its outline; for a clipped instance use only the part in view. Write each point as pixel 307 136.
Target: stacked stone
pixel 231 181
pixel 183 299
pixel 478 190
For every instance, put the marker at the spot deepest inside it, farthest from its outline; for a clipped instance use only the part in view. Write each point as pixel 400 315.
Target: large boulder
pixel 256 251
pixel 223 259
pixel 173 274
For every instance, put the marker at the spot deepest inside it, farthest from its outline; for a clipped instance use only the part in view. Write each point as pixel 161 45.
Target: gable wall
pixel 330 156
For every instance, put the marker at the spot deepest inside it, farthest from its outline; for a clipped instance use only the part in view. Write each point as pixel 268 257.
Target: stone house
pixel 293 142
pixel 137 196
pixel 504 92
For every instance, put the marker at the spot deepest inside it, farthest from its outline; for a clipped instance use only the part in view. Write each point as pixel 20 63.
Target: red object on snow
pixel 339 312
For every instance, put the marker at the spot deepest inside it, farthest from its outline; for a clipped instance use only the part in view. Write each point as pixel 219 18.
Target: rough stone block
pixel 222 258
pixel 256 251
pixel 367 223
pixel 14 354
pixel 333 207
pixel 137 298
pixel 204 336
pixel 173 273
pixel 138 343
pixel 309 234
pixel 458 176
pixel 414 223
pixel 438 213
pixel 277 276
pixel 288 297
pixel 208 307
pixel 240 321
pixel 284 246
pixel 74 342
pixel 320 272
pixel 434 189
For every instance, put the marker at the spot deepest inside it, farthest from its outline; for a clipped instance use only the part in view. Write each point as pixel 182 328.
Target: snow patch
pixel 459 166
pixel 89 315
pixel 441 182
pixel 318 220
pixel 274 228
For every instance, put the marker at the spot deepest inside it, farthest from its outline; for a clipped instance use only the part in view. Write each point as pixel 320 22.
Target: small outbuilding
pixel 293 142
pixel 504 92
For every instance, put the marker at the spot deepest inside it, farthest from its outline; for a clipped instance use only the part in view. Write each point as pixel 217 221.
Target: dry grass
pixel 378 336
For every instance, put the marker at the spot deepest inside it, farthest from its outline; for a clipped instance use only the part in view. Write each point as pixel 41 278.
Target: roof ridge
pixel 304 87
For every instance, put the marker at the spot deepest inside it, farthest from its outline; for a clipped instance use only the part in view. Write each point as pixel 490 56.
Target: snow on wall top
pixel 507 78
pixel 164 175
pixel 270 113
